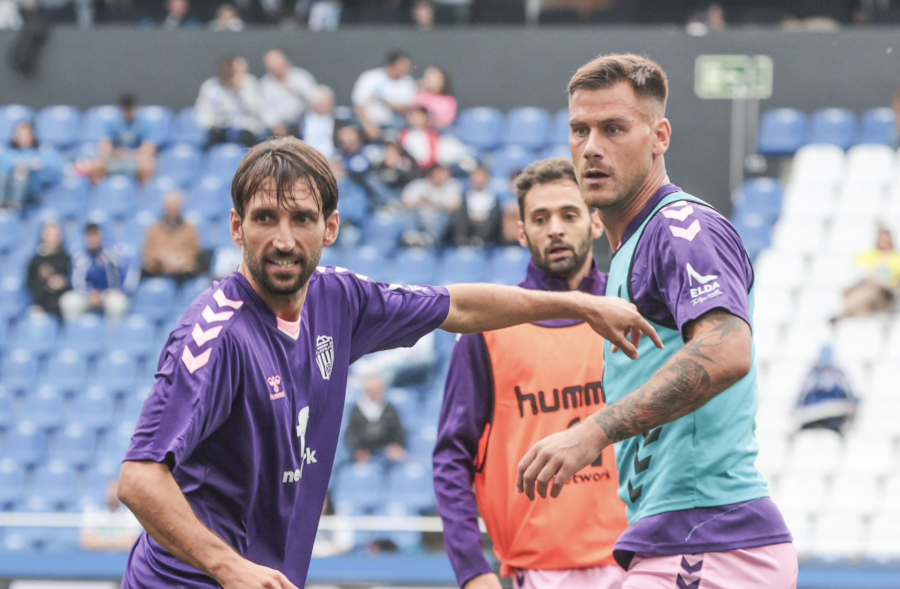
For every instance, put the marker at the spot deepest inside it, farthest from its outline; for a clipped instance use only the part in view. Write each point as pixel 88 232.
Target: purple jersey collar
pixel 664 191
pixel 537 279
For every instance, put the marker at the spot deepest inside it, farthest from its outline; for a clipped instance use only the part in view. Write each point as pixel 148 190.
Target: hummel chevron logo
pixel 652 436
pixel 194 363
pixel 694 275
pixel 635 492
pixel 224 301
pixel 641 465
pixel 201 337
pixel 682 584
pixel 691 569
pixel 689 234
pixel 212 317
pixel 680 214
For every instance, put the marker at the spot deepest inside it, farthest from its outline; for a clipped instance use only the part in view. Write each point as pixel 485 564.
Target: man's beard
pixel 257 268
pixel 566 268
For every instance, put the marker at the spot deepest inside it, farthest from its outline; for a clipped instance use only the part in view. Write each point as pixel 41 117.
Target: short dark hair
pixel 556 169
pixel 644 75
pixel 127 101
pixel 92 228
pixel 286 160
pixel 394 56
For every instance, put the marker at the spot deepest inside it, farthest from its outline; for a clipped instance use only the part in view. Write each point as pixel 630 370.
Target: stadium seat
pixel 55 483
pixel 150 199
pixel 187 130
pixel 405 541
pixel 415 266
pixel 68 199
pixel 802 235
pixel 463 264
pixel 75 445
pixel 882 543
pixel 800 494
pixel 114 444
pixel 134 335
pixel 383 232
pixel 116 372
pixel 96 123
pixel 879 126
pixel 859 340
pixel 85 334
pixel 12 483
pixel 867 457
pixel 863 201
pixel 527 127
pixel 782 132
pixel 852 236
pixel 132 405
pixel 9 231
pixel 557 150
pixel 837 538
pixel 62 540
pixel 181 163
pixel 21 539
pixel 885 376
pixel 42 407
pixel 814 452
pixel 114 197
pixel 772 457
pixel 210 198
pixel 25 444
pixel 154 298
pixel 831 269
pixel 852 496
pixel 19 369
pixel 67 372
pixel 510 159
pixel 94 409
pixel 508 265
pixel 37 333
pixel 368 261
pixel 559 133
pixel 761 196
pixel 480 127
pixel 780 269
pixel 359 488
pixel 223 160
pixel 820 164
pixel 833 126
pixel 157 123
pixel 57 125
pixel 870 164
pixel 189 291
pixel 10 117
pixel 808 332
pixel 7 408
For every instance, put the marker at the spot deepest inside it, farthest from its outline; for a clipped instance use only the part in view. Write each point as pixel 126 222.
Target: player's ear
pixel 663 133
pixel 596 224
pixel 236 234
pixel 523 239
pixel 332 228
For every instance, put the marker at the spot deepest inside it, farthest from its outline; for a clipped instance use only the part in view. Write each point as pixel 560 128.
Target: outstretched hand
pixel 619 321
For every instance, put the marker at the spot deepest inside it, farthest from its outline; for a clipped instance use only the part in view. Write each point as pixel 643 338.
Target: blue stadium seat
pixel 558 150
pixel 762 196
pixel 154 298
pixel 210 198
pixel 383 232
pixel 132 405
pixel 480 127
pixel 10 117
pixel 359 487
pixel 879 125
pixel 189 291
pixel 403 540
pixel 13 298
pixel 133 234
pixel 115 197
pixel 223 160
pixel 94 409
pixel 157 122
pixel 7 408
pixel 150 199
pixel 411 485
pixel 406 402
pixel 26 444
pixel 12 483
pixel 464 264
pixel 559 134
pixel 44 408
pixel 415 266
pixel 509 264
pixel 332 256
pixel 54 482
pixel 527 127
pixel 21 539
pixel 782 132
pixel 57 125
pixel 181 162
pixel 74 445
pixel 68 371
pixel 9 231
pixel 115 443
pixel 96 123
pixel 116 372
pixel 755 232
pixel 187 130
pixel 62 540
pixel 835 126
pixel 85 334
pixel 37 333
pixel 134 335
pixel 509 160
pixel 19 369
pixel 68 199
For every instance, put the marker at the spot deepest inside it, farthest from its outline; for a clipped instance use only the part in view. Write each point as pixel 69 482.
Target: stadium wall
pixel 503 67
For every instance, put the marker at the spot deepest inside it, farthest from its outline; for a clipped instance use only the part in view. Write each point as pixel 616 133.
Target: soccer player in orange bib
pixel 509 388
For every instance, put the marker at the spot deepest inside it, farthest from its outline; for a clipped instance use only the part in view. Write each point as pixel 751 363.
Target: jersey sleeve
pixel 190 398
pixel 392 315
pixel 691 262
pixel 464 415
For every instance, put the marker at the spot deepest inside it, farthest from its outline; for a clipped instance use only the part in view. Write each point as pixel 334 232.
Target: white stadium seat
pixel 852 235
pixel 780 269
pixel 833 269
pixel 818 163
pixel 773 305
pixel 800 526
pixel 800 495
pixel 853 496
pixel 772 458
pixel 877 416
pixel 885 380
pixel 803 235
pixel 859 339
pixel 814 452
pixel 784 379
pixel 865 201
pixel 768 340
pixel 836 537
pixel 815 201
pixel 883 540
pixel 867 456
pixel 869 162
pixel 804 338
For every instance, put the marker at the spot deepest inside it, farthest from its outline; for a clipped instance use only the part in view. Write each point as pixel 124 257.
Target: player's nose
pixel 593 146
pixel 284 239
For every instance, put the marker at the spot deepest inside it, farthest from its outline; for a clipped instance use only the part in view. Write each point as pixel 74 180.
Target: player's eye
pixel 614 130
pixel 579 131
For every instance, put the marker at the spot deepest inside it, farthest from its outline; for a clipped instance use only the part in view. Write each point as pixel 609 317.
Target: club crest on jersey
pixel 275 383
pixel 325 355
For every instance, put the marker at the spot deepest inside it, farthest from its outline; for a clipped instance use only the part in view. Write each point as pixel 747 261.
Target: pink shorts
pixel 766 567
pixel 609 577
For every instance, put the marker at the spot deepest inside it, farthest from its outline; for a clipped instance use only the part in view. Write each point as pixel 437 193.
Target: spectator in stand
pixel 49 270
pixel 420 139
pixel 355 206
pixel 351 147
pixel 96 281
pixel 318 127
pixel 125 149
pixel 228 106
pixel 172 248
pixel 827 399
pixel 227 19
pixel 436 94
pixel 479 219
pixel 375 425
pixel 509 225
pixel 177 16
pixel 395 171
pixel 110 527
pixel 26 169
pixel 382 96
pixel 432 200
pixel 877 290
pixel 423 15
pixel 287 92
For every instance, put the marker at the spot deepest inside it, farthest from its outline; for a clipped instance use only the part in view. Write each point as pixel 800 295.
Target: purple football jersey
pixel 249 410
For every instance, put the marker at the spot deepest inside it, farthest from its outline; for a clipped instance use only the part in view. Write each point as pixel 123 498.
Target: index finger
pixel 648 329
pixel 286 583
pixel 523 466
pixel 620 340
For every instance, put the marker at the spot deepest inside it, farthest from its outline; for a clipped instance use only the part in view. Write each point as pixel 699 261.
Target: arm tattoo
pixel 683 384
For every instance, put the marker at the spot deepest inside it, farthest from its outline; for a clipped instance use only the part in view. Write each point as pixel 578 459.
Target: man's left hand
pixel 558 457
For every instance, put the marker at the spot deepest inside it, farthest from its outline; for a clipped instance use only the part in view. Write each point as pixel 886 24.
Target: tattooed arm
pixel 716 355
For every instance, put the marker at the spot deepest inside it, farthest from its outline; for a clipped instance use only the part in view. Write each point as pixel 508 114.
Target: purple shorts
pixel 609 577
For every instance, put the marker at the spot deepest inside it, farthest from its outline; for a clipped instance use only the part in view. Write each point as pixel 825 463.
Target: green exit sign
pixel 733 76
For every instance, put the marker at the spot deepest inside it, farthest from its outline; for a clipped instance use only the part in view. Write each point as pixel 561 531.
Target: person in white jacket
pixel 228 105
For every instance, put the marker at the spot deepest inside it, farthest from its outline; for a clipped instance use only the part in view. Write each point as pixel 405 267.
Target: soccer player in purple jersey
pixel 231 458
